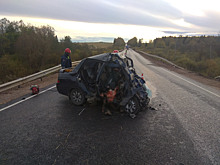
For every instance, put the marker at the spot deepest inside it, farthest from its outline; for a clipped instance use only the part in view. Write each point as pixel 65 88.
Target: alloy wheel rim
pixel 77 97
pixel 131 107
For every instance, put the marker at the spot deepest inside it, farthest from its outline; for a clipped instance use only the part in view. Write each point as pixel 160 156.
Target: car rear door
pixel 88 73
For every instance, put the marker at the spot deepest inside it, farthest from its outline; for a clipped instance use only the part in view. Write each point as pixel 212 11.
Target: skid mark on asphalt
pixel 25 99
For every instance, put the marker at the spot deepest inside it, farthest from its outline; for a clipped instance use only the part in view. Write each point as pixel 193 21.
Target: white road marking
pixel 191 83
pixel 26 98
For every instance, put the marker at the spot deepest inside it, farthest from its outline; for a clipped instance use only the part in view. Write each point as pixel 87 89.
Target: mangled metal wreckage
pixel 106 77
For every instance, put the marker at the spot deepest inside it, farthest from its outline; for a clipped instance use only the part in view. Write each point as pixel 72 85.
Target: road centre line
pixel 191 83
pixel 27 98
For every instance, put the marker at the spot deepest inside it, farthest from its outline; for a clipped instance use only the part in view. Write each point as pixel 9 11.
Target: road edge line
pixel 191 83
pixel 16 103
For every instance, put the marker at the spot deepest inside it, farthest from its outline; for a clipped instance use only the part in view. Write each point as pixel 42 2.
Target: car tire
pixel 132 107
pixel 77 97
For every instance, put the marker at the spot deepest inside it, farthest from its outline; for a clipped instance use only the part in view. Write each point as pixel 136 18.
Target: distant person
pixel 66 60
pixel 127 47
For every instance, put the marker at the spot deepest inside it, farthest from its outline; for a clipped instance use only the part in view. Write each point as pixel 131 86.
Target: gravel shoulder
pixel 24 89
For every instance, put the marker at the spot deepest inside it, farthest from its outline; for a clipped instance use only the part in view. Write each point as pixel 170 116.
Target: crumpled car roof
pixel 105 56
pixel 101 57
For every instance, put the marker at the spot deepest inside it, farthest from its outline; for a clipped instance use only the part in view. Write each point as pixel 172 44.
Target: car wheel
pixel 132 107
pixel 77 97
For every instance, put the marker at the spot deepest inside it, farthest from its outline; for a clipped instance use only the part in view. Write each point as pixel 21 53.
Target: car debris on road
pixel 108 78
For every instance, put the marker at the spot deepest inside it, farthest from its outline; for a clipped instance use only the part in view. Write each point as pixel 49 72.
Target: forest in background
pixel 198 54
pixel 26 49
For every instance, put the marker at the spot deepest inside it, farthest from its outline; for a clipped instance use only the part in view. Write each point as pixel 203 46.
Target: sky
pixel 104 20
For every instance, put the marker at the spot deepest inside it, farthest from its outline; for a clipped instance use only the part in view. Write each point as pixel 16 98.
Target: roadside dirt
pixel 190 74
pixel 24 89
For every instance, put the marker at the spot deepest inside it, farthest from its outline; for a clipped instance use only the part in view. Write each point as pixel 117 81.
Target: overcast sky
pixel 95 20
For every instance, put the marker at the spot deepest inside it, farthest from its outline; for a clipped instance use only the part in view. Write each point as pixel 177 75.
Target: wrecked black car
pixel 108 78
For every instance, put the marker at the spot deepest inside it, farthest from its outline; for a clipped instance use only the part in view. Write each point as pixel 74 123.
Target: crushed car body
pixel 106 77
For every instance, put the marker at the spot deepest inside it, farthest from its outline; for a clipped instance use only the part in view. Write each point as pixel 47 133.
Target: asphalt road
pixel 184 128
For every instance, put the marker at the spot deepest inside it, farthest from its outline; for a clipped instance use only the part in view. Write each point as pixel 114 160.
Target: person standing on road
pixel 66 60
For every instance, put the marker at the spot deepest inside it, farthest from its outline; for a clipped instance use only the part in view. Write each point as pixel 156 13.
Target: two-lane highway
pixel 196 106
pixel 184 128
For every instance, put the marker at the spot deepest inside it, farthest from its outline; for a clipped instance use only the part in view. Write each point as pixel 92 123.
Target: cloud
pixel 175 32
pixel 92 39
pixel 149 13
pixel 211 20
pixel 143 12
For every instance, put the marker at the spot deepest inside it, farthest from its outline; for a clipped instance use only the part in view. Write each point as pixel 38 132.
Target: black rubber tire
pixel 132 107
pixel 77 97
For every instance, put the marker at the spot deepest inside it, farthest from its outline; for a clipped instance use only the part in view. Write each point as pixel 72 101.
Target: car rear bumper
pixel 61 89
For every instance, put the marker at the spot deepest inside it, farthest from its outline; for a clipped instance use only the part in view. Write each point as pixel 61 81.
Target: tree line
pixel 199 54
pixel 26 49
